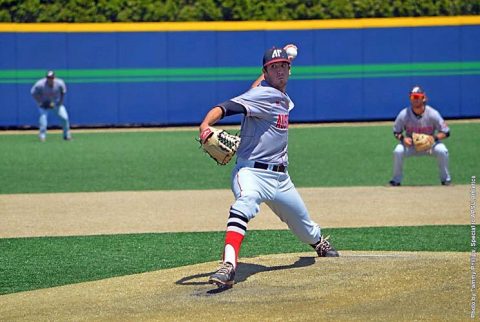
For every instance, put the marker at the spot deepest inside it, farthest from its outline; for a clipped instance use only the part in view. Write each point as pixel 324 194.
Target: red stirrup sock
pixel 233 243
pixel 236 229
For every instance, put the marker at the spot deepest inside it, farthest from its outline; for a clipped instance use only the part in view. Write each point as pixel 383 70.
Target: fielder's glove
pixel 47 104
pixel 422 142
pixel 219 144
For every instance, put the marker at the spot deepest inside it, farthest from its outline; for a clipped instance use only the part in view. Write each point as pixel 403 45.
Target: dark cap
pixel 51 74
pixel 417 90
pixel 274 55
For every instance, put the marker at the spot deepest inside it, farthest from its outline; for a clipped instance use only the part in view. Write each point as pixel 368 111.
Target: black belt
pixel 276 167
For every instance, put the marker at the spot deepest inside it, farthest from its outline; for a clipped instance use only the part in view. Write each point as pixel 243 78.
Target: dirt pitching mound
pixel 386 286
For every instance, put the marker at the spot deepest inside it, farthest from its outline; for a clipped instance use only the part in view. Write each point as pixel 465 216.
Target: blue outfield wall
pixel 345 74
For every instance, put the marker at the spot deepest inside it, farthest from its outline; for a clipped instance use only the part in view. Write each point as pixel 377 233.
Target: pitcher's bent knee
pixel 247 205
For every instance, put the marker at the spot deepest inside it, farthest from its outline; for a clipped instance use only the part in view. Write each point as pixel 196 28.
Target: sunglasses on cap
pixel 416 96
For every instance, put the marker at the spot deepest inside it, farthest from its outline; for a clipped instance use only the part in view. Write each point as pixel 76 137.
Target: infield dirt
pixel 63 214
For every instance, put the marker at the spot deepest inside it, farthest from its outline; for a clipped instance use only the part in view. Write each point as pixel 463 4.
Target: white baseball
pixel 291 50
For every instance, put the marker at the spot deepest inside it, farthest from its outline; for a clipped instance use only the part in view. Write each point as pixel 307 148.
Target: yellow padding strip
pixel 242 25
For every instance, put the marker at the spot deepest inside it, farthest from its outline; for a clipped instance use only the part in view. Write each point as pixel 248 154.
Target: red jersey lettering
pixel 282 121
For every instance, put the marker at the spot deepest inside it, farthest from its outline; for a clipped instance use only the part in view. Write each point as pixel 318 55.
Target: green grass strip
pixel 34 263
pixel 245 73
pixel 126 161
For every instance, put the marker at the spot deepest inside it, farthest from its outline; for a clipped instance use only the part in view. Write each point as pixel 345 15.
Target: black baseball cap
pixel 274 55
pixel 50 74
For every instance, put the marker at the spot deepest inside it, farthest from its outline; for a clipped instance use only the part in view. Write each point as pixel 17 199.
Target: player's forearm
pixel 407 141
pixel 440 136
pixel 37 98
pixel 212 117
pixel 399 136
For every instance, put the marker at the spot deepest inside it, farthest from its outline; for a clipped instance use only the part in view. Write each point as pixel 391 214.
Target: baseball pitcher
pixel 261 171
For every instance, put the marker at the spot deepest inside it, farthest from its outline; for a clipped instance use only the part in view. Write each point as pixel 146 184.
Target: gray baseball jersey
pixel 41 92
pixel 429 122
pixel 264 129
pixel 264 134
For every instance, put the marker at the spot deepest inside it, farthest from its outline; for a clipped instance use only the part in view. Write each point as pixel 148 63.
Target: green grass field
pixel 320 156
pixel 32 263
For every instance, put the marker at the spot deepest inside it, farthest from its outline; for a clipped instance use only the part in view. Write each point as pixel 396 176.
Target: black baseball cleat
pixel 224 276
pixel 446 183
pixel 324 249
pixel 394 184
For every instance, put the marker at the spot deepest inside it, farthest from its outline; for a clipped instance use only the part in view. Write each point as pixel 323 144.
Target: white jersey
pixel 42 92
pixel 264 129
pixel 429 122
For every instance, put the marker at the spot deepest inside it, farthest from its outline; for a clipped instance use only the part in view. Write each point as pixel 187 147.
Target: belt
pixel 271 167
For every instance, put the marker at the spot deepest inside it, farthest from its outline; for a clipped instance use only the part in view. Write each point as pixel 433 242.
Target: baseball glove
pixel 219 144
pixel 422 142
pixel 47 104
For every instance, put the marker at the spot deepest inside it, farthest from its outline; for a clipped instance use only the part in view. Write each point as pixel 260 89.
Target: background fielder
pixel 49 93
pixel 419 118
pixel 260 174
